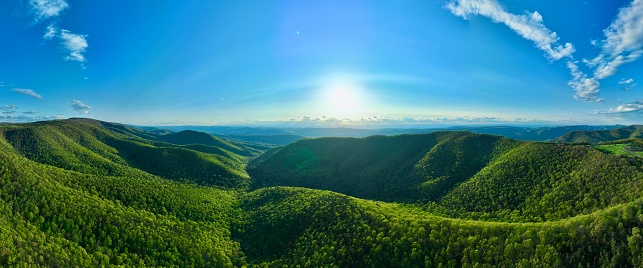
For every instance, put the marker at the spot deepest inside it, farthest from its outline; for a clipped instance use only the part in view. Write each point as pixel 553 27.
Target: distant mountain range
pixel 282 136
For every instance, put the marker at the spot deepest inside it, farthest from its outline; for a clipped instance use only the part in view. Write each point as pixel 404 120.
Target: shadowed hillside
pixel 401 168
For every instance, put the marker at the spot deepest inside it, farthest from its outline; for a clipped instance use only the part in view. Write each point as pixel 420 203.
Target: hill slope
pixel 459 174
pixel 596 136
pixel 72 195
pixel 398 168
pixel 89 146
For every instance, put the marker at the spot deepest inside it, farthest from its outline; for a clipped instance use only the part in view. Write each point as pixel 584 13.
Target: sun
pixel 342 99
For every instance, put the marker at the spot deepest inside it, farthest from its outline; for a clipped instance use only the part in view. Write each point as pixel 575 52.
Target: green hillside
pixel 85 193
pixel 596 136
pixel 57 217
pixel 286 227
pixel 541 181
pixel 88 146
pixel 459 174
pixel 188 137
pixel 390 168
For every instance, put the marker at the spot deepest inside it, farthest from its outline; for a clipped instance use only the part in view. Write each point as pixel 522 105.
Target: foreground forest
pixel 82 192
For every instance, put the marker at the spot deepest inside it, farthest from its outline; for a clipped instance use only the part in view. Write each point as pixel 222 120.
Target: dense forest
pixel 596 136
pixel 80 192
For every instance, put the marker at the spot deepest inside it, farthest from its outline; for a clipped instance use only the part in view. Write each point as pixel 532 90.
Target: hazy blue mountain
pixel 282 135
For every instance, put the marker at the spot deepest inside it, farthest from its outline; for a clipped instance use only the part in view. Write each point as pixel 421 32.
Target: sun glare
pixel 342 99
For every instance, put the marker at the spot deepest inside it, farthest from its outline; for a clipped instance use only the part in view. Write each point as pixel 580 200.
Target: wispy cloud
pixel 27 92
pixel 27 118
pixel 624 81
pixel 586 88
pixel 529 26
pixel 51 32
pixel 47 9
pixel 79 106
pixel 8 107
pixel 623 41
pixel 30 112
pixel 74 44
pixel 627 83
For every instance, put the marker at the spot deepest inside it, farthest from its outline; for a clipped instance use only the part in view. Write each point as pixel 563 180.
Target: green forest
pixel 87 193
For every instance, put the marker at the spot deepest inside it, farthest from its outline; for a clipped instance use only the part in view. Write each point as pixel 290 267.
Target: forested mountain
pixel 388 168
pixel 596 136
pixel 89 193
pixel 462 174
pixel 99 148
pixel 530 133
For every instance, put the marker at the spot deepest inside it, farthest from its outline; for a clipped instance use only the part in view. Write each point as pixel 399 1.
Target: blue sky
pixel 368 63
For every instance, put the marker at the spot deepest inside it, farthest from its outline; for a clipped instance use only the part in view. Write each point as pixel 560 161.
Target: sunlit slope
pixel 459 174
pixel 55 217
pixel 88 146
pixel 398 168
pixel 284 226
pixel 595 136
pixel 545 181
pixel 457 157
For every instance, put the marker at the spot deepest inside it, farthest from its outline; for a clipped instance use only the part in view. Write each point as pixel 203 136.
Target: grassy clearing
pixel 617 149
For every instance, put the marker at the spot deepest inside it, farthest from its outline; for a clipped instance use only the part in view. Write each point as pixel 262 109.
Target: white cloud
pixel 586 88
pixel 79 106
pixel 626 81
pixel 623 41
pixel 30 112
pixel 27 92
pixel 529 26
pixel 74 44
pixel 51 32
pixel 46 9
pixel 628 107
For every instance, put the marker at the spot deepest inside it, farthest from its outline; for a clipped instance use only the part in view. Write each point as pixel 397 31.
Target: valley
pixel 82 192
